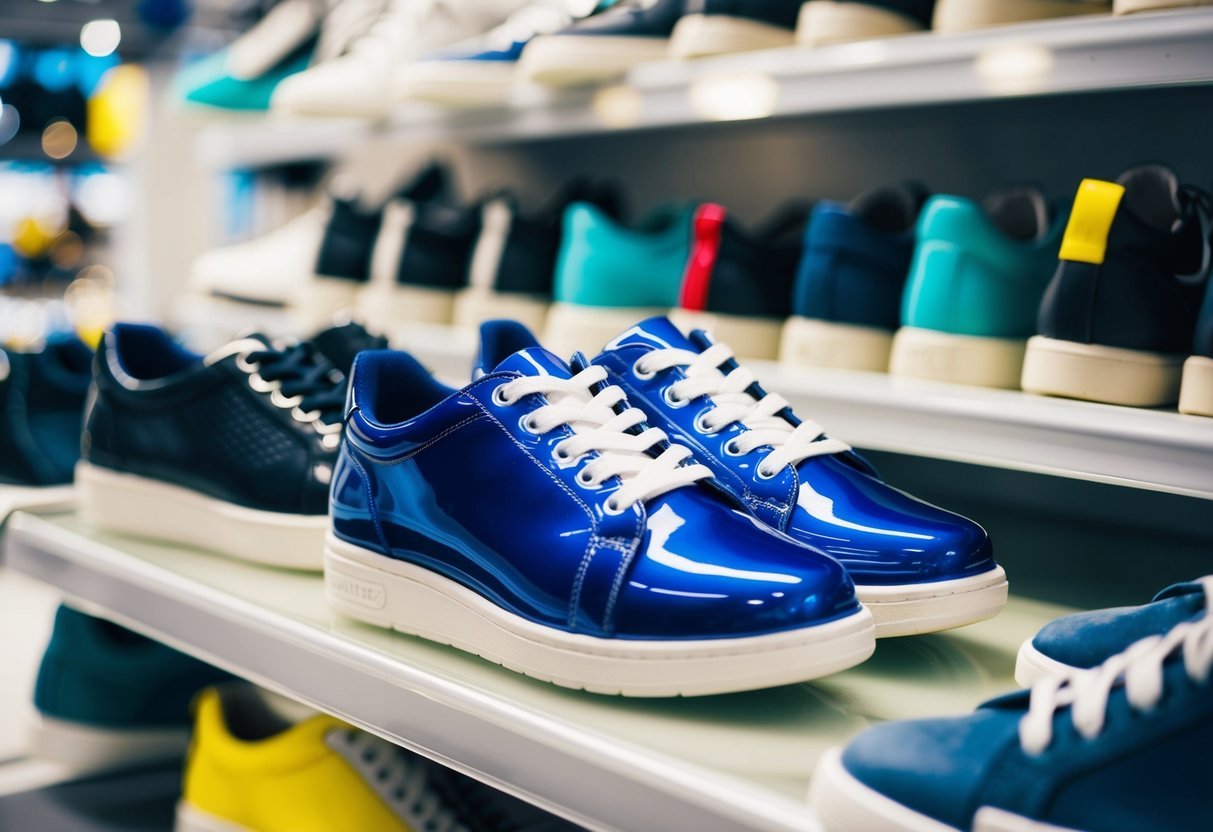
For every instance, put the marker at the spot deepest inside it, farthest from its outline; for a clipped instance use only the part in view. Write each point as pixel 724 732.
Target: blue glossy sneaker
pixel 1123 747
pixel 1086 639
pixel 917 567
pixel 846 303
pixel 107 697
pixel 532 518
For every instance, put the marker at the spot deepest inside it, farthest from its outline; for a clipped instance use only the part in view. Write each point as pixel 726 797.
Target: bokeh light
pixel 59 139
pixel 100 37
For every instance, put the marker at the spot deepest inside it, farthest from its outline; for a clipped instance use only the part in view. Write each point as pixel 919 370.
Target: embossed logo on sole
pixel 361 592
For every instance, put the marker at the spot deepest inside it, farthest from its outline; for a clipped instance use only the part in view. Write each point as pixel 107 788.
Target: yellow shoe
pixel 251 770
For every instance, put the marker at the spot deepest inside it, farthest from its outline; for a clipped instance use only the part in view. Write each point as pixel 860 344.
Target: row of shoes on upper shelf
pixel 362 57
pixel 1106 299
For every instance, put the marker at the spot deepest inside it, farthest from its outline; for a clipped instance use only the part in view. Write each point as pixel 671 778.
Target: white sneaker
pixel 359 82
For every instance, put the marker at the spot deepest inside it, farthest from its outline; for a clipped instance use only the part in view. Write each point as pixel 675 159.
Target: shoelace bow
pixel 597 428
pixel 406 779
pixel 733 403
pixel 1140 669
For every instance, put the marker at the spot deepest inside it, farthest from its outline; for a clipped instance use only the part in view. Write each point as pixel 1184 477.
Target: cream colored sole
pixel 823 22
pixel 144 507
pixel 700 35
pixel 390 309
pixel 815 343
pixel 1134 6
pixel 587 328
pixel 393 593
pixel 750 338
pixel 475 306
pixel 934 607
pixel 457 83
pixel 1101 374
pixel 963 15
pixel 575 60
pixel 959 359
pixel 1196 392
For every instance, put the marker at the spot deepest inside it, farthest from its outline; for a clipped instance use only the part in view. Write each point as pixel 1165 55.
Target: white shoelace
pixel 790 444
pixel 401 779
pixel 1086 692
pixel 598 428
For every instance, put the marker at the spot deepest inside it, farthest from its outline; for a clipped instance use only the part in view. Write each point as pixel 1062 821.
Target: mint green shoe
pixel 211 83
pixel 609 276
pixel 974 287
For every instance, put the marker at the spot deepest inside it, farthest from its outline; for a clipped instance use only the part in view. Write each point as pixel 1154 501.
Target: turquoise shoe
pixel 609 276
pixel 107 697
pixel 210 83
pixel 974 287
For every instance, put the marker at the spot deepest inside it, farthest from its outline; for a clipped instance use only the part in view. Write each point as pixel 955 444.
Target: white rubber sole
pixel 35 498
pixel 959 359
pixel 575 60
pixel 1134 6
pixel 823 22
pixel 457 83
pixel 933 607
pixel 964 15
pixel 1101 374
pixel 587 328
pixel 190 819
pixel 397 595
pixel 473 306
pixel 843 804
pixel 390 309
pixel 815 343
pixel 85 747
pixel 750 338
pixel 145 507
pixel 1196 392
pixel 700 35
pixel 1032 666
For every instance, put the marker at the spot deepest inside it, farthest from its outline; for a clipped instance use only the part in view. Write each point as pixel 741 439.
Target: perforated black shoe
pixel 233 451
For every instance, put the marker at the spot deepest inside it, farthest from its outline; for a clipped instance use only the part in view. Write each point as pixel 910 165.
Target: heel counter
pixel 98 438
pixel 352 508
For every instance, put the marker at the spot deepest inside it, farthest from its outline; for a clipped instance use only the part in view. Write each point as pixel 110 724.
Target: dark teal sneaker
pixel 1087 639
pixel 107 697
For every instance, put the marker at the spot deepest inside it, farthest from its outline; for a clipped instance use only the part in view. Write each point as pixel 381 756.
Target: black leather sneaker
pixel 231 452
pixel 513 264
pixel 1118 318
pixel 41 409
pixel 738 283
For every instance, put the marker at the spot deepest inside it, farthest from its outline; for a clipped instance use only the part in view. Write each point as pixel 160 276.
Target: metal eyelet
pixel 279 400
pixel 585 481
pixel 610 507
pixel 331 441
pixel 259 384
pixel 730 448
pixel 671 400
pixel 701 423
pixel 641 374
pixel 762 475
pixel 499 396
pixel 527 423
pixel 247 366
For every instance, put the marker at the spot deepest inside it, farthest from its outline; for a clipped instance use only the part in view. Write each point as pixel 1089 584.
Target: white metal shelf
pixel 740 761
pixel 1086 54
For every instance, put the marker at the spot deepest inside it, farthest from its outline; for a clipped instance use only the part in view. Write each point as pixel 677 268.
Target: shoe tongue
pixel 246 342
pixel 891 208
pixel 1021 212
pixel 656 333
pixel 1152 193
pixel 534 361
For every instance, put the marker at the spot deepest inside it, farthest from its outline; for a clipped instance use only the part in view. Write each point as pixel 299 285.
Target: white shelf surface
pixel 1075 55
pixel 740 761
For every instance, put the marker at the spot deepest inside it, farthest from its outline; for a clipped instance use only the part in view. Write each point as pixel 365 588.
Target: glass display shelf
pixel 1088 54
pixel 741 761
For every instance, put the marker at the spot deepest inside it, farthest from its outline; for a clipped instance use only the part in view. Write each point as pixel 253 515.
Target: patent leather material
pixel 835 503
pixel 464 489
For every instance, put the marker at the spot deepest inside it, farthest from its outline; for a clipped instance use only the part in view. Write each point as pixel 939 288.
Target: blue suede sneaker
pixel 107 697
pixel 1086 639
pixel 534 519
pixel 1122 747
pixel 917 567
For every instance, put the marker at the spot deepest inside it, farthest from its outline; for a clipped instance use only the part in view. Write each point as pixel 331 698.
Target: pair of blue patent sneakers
pixel 649 523
pixel 1113 736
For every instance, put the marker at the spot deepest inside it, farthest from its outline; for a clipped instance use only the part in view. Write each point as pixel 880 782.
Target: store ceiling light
pixel 100 37
pixel 1014 68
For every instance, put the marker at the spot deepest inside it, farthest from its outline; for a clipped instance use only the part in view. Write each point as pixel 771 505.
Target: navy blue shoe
pixel 917 567
pixel 533 518
pixel 1123 747
pixel 846 303
pixel 107 697
pixel 1086 639
pixel 42 397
